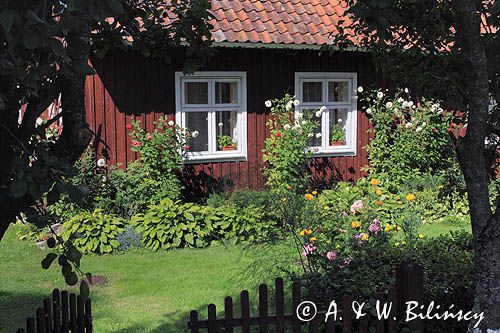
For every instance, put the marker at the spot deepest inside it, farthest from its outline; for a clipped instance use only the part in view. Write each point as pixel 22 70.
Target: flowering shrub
pixel 411 138
pixel 331 228
pixel 161 153
pixel 286 150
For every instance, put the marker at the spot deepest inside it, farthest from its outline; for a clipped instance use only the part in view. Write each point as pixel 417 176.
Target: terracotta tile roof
pixel 309 22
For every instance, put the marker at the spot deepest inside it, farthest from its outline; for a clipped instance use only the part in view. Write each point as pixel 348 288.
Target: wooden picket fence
pixel 64 313
pixel 409 286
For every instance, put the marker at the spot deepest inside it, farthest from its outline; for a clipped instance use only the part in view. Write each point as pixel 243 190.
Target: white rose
pixel 369 111
pixel 323 108
pixel 405 104
pixel 380 95
pixel 418 129
pixel 101 162
pixel 299 115
pixel 268 103
pixel 400 100
pixel 406 90
pixel 195 134
pixel 408 125
pixel 339 121
pixel 318 113
pixel 220 124
pixel 296 126
pixel 39 121
pixel 410 104
pixel 424 124
pixel 296 102
pixel 360 89
pixel 318 135
pixel 171 123
pixel 288 106
pixel 303 122
pixel 310 135
pixel 287 126
pixel 388 105
pixel 396 110
pixel 440 111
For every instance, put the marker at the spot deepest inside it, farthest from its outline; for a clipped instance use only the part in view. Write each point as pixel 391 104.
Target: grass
pixel 146 292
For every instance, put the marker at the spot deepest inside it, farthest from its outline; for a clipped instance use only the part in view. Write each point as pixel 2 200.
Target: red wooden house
pixel 265 49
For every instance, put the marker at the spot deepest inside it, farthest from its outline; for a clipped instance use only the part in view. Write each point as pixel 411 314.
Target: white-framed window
pixel 214 105
pixel 336 92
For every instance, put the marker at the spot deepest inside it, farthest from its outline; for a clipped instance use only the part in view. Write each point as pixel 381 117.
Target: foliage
pixel 224 141
pixel 286 151
pixel 172 224
pixel 93 231
pixel 337 133
pixel 411 139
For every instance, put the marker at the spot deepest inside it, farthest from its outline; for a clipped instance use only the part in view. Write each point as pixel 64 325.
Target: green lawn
pixel 146 292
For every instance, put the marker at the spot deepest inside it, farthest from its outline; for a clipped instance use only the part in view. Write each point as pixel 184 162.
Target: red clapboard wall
pixel 128 84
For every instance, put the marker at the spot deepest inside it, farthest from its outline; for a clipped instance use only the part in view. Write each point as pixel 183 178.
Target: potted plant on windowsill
pixel 337 136
pixel 225 142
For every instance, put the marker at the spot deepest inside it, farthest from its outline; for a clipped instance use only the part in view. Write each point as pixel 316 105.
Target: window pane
pixel 337 127
pixel 338 91
pixel 226 92
pixel 227 130
pixel 196 92
pixel 312 92
pixel 315 140
pixel 198 121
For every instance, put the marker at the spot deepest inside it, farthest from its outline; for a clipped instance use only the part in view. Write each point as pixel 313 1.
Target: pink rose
pixel 331 255
pixel 357 206
pixel 374 226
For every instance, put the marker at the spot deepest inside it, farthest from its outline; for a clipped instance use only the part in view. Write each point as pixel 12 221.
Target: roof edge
pixel 283 46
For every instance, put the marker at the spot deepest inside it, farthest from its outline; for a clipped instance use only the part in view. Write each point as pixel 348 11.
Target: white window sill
pixel 338 151
pixel 202 158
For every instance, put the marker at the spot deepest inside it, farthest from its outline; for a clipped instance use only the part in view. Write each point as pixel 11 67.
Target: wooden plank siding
pixel 127 84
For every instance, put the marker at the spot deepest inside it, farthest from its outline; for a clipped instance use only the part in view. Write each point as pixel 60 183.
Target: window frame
pixel 350 149
pixel 241 108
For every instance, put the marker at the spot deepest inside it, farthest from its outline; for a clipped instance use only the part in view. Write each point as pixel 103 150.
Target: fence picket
pixel 80 316
pixel 393 299
pixel 40 327
pixel 30 325
pixel 314 323
pixel 72 313
pixel 56 310
pixel 296 323
pixel 330 324
pixel 47 306
pixel 88 316
pixel 263 309
pixel 245 312
pixel 363 324
pixel 228 314
pixel 193 323
pixel 380 323
pixel 346 314
pixel 212 318
pixel 280 306
pixel 64 312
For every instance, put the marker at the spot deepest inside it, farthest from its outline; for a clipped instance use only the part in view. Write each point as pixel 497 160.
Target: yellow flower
pixel 356 225
pixel 313 239
pixel 365 237
pixel 420 236
pixel 283 199
pixel 326 208
pixel 387 228
pixel 309 231
pixel 379 192
pixel 400 202
pixel 314 192
pixel 289 187
pixel 374 182
pixel 410 197
pixel 403 243
pixel 303 232
pixel 396 244
pixel 398 197
pixel 308 196
pixel 338 246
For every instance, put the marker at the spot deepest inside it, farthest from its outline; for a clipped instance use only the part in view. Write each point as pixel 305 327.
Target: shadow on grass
pixel 16 307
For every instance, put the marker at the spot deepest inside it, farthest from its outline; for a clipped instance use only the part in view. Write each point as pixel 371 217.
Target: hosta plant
pixel 93 231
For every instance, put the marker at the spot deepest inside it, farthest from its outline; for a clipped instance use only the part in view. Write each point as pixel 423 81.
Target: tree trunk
pixel 470 151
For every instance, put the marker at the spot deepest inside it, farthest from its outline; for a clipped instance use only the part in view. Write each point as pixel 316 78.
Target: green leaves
pixel 18 187
pixel 49 259
pixel 7 18
pixel 32 39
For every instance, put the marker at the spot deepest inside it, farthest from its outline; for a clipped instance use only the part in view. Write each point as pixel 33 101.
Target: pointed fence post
pixel 410 287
